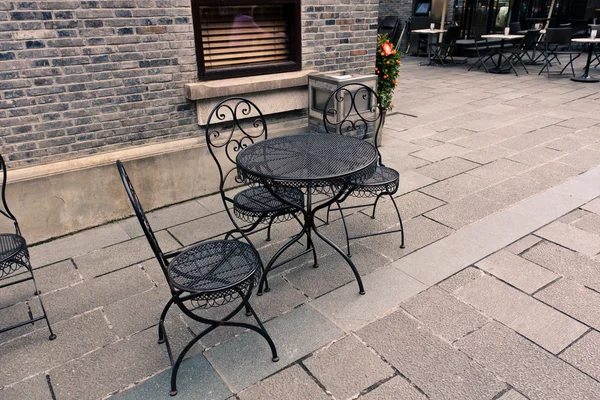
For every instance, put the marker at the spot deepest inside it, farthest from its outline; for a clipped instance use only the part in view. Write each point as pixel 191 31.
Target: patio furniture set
pixel 538 46
pixel 285 178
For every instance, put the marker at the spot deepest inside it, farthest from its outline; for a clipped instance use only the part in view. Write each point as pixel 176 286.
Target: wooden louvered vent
pixel 243 40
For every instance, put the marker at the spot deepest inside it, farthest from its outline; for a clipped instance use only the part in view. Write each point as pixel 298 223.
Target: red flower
pixel 387 48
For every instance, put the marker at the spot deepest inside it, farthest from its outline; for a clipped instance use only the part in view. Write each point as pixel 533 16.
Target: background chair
pixel 443 50
pixel 15 266
pixel 515 28
pixel 390 25
pixel 209 274
pixel 557 43
pixel 514 55
pixel 354 110
pixel 482 48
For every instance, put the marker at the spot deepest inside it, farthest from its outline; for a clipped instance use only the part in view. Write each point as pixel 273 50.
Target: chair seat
pixel 215 267
pixel 256 202
pixel 13 253
pixel 384 179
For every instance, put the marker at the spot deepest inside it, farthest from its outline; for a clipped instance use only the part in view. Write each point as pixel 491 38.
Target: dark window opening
pixel 246 38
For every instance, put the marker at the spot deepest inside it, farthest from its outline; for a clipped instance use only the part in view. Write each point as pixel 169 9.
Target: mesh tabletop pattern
pixel 13 253
pixel 214 267
pixel 308 160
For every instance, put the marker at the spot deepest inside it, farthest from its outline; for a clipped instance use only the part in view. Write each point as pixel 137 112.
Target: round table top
pixel 313 159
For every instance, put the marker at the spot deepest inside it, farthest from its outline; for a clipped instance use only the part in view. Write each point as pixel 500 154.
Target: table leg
pixel 498 68
pixel 308 227
pixel 586 75
pixel 429 41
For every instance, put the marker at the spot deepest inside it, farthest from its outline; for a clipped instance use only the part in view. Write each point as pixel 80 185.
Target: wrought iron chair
pixel 232 125
pixel 14 256
pixel 445 49
pixel 205 275
pixel 354 109
pixel 482 47
pixel 558 43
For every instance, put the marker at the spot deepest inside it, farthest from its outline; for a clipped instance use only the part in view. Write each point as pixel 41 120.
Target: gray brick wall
pixel 339 34
pixel 78 77
pixel 82 77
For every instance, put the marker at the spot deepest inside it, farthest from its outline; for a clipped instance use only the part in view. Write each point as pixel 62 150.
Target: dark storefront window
pixel 495 15
pixel 245 38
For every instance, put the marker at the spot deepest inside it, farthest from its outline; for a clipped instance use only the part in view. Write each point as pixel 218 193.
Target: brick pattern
pixel 80 77
pixel 339 34
pixel 83 76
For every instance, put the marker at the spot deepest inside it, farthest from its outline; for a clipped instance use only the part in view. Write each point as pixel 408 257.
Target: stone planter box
pixel 320 87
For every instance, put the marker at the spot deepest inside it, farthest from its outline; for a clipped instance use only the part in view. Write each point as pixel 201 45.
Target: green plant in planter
pixel 387 68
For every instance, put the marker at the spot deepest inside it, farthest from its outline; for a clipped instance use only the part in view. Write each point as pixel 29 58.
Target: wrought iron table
pixel 314 163
pixel 586 75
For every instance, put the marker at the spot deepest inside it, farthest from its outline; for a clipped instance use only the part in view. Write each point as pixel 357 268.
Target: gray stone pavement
pixel 496 296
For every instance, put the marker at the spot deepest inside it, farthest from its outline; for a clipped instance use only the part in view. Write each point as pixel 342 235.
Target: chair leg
pixel 345 228
pixel 399 220
pixel 161 321
pixel 37 292
pixel 327 219
pixel 213 325
pixel 268 239
pixel 375 205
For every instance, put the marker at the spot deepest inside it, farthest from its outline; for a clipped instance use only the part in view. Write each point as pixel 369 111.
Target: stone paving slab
pixel 77 244
pixel 167 217
pixel 550 328
pixel 444 314
pixel 196 379
pixel 121 255
pixel 347 367
pixel 246 359
pixel 571 237
pixel 290 384
pixel 521 245
pixel 15 314
pixel 397 388
pixel 349 310
pixel 517 271
pixel 567 263
pixel 447 168
pixel 584 354
pixel 108 369
pixel 527 367
pixel 573 299
pixel 97 292
pixel 416 352
pixel 33 388
pixel 512 395
pixel 589 222
pixel 34 353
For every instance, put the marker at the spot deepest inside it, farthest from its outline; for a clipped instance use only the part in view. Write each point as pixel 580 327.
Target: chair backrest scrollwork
pixel 233 124
pixel 354 110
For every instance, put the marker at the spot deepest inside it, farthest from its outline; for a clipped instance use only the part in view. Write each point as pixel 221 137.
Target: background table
pixel 429 33
pixel 498 69
pixel 311 162
pixel 586 75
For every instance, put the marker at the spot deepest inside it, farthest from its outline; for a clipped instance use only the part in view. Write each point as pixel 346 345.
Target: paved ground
pixel 496 295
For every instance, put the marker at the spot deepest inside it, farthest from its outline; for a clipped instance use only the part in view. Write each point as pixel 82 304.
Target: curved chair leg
pixel 345 228
pixel 311 245
pixel 268 239
pixel 263 280
pixel 214 324
pixel 375 205
pixel 161 321
pixel 327 219
pixel 400 220
pixel 37 292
